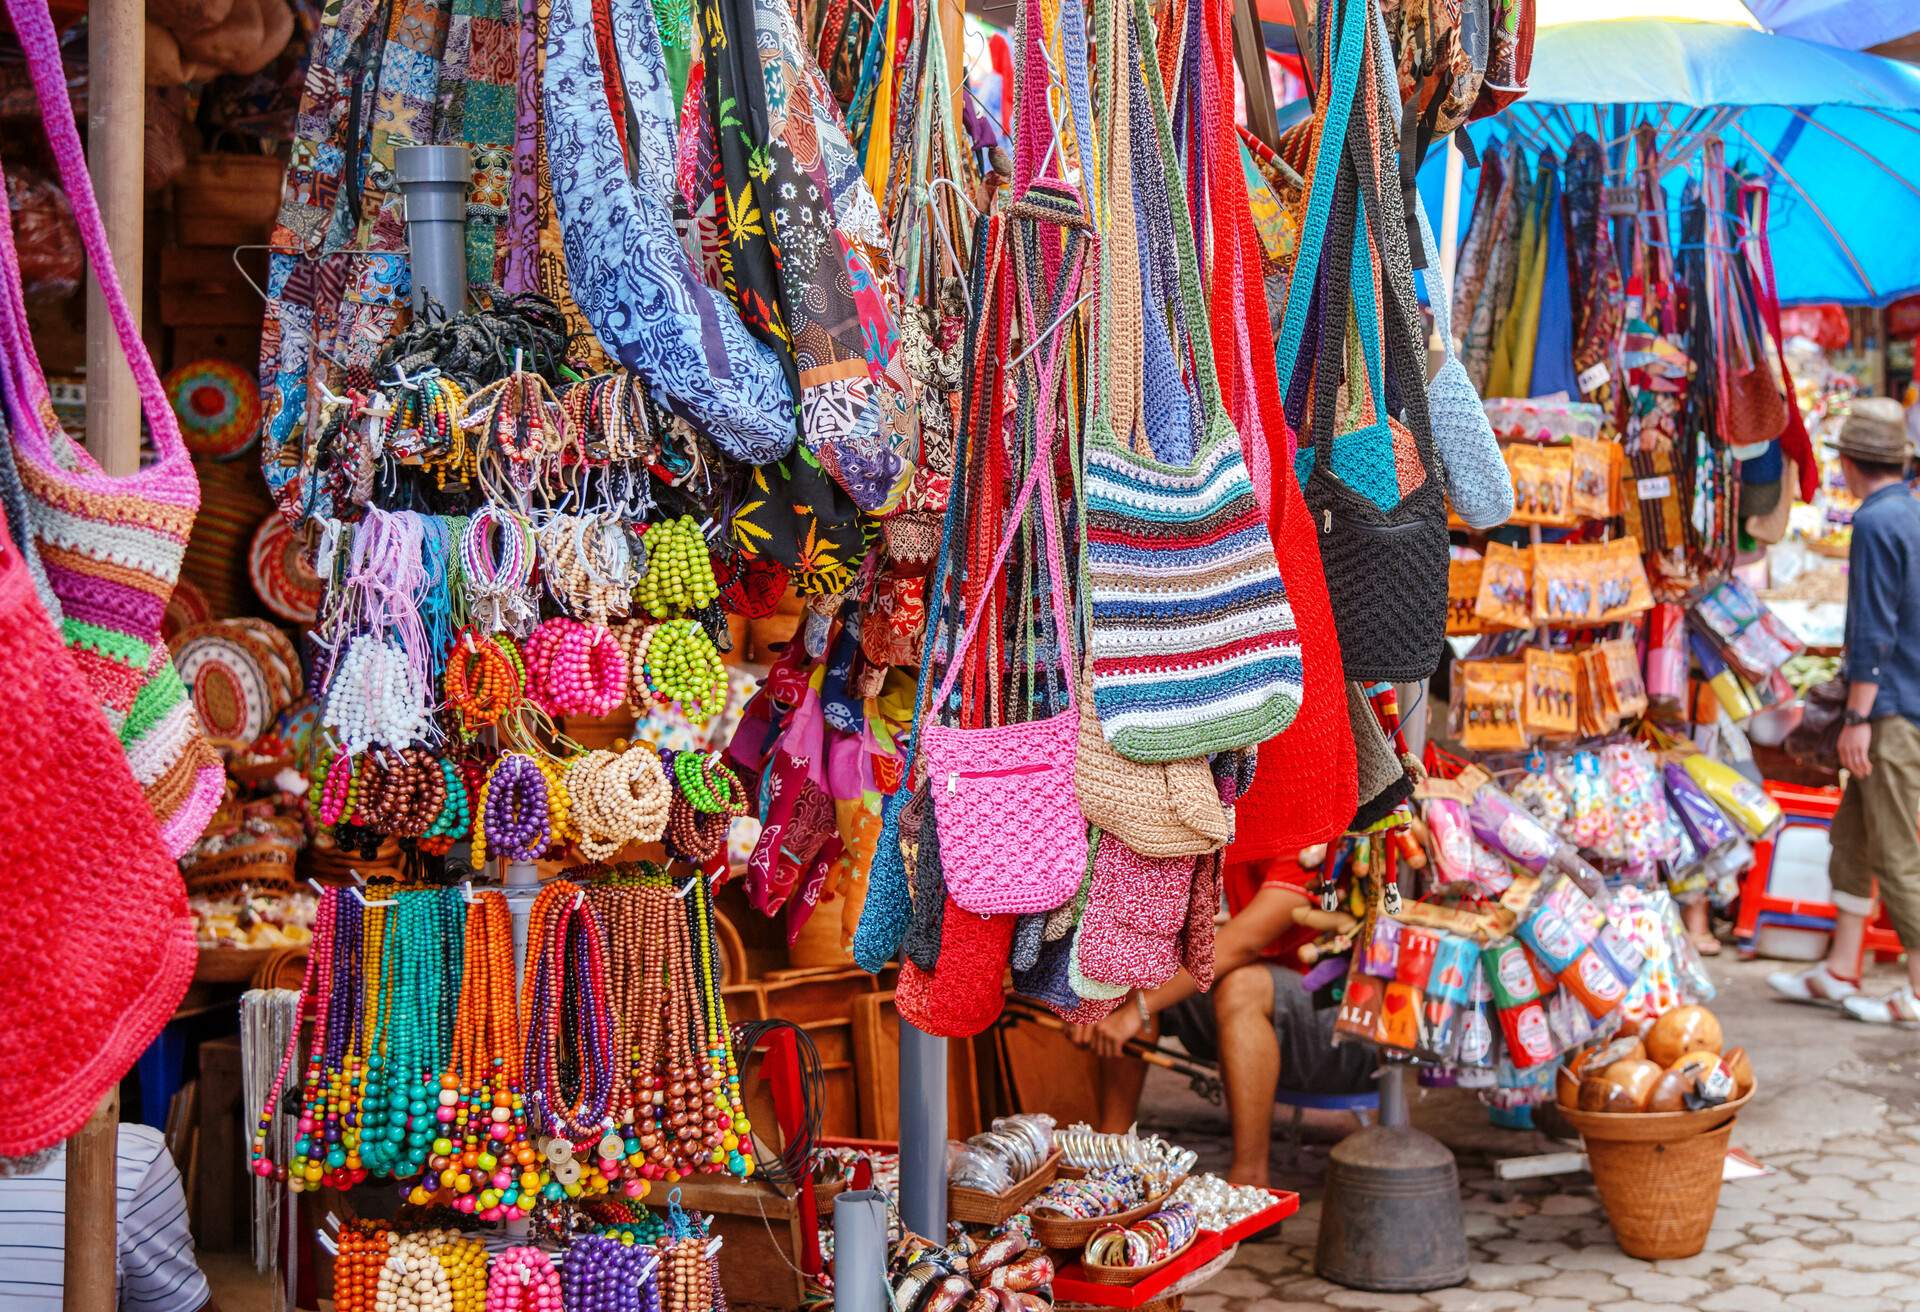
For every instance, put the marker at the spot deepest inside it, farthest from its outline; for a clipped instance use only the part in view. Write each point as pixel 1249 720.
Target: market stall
pixel 764 547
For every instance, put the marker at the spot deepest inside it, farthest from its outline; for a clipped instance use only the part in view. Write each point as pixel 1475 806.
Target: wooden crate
pixel 876 1048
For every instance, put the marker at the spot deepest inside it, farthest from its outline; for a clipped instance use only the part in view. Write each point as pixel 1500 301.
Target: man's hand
pixel 1109 1037
pixel 1855 739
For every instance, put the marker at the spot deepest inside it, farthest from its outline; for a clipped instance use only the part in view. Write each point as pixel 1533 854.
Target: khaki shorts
pixel 1876 831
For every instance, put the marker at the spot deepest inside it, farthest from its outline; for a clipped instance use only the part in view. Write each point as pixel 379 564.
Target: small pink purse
pixel 1012 839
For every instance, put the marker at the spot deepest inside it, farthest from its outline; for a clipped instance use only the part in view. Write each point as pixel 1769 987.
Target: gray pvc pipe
pixel 860 1251
pixel 433 185
pixel 923 1133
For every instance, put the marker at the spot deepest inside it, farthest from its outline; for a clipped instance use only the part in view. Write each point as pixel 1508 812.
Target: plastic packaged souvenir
pixel 1489 705
pixel 1666 668
pixel 1505 826
pixel 1541 792
pixel 1452 839
pixel 1553 692
pixel 1593 481
pixel 1739 798
pixel 1516 1001
pixel 1591 820
pixel 1463 594
pixel 1505 599
pixel 1542 485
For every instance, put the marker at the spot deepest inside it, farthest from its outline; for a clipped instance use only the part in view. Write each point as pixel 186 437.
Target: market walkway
pixel 1836 1228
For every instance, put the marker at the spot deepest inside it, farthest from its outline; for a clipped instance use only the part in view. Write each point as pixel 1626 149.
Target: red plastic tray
pixel 1069 1286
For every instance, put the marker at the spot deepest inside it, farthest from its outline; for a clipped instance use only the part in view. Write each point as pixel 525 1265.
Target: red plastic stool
pixel 1808 808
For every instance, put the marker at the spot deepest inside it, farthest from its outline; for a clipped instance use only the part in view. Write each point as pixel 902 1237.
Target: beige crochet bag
pixel 1170 809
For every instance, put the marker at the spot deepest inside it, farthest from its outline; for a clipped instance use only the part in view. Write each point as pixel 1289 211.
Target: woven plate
pixel 218 405
pixel 186 607
pixel 277 563
pixel 231 690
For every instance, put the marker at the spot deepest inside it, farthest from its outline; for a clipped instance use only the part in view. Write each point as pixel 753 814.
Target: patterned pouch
pixel 623 253
pixel 964 995
pixel 1203 906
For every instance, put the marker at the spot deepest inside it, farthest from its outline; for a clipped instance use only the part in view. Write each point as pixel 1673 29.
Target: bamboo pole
pixel 91 1229
pixel 116 112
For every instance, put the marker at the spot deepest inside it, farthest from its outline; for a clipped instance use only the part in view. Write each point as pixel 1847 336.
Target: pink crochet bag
pixel 1136 909
pixel 112 547
pixel 1012 839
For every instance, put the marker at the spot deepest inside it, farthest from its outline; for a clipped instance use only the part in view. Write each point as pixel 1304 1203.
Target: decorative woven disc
pixel 231 690
pixel 218 405
pixel 281 575
pixel 186 607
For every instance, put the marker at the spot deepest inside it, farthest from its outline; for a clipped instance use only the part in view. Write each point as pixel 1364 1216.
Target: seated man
pixel 1257 1020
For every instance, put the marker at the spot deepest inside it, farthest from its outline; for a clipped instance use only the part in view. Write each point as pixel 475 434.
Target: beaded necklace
pixel 421 986
pixel 315 989
pixel 569 1047
pixel 483 1142
pixel 733 1130
pixel 606 1275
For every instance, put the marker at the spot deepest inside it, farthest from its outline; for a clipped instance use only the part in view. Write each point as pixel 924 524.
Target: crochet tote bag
pixel 1012 839
pixel 1366 477
pixel 98 904
pixel 1193 645
pixel 111 547
pixel 625 262
pixel 1479 484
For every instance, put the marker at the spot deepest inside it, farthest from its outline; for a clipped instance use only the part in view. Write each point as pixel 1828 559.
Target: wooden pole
pixel 116 113
pixel 92 1224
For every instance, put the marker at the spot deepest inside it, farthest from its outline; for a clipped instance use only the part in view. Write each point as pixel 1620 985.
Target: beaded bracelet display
pixel 679 663
pixel 1152 1239
pixel 523 1280
pixel 485 679
pixel 618 798
pixel 590 566
pixel 514 817
pixel 679 575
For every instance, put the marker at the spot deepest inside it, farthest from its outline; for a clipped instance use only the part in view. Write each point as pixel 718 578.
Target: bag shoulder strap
pixel 34 26
pixel 1337 109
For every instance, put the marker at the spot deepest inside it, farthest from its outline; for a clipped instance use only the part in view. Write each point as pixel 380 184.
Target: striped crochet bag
pixel 1193 645
pixel 111 546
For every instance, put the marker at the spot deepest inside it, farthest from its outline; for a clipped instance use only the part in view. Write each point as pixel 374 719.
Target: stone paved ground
pixel 1835 1229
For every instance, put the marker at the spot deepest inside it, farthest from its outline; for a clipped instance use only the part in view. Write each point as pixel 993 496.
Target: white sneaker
pixel 1816 984
pixel 1899 1007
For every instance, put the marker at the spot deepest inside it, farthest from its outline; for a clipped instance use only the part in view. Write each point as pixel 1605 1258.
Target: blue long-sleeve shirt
pixel 1883 600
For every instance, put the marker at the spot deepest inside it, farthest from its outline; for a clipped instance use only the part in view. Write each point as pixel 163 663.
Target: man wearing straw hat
pixel 1876 832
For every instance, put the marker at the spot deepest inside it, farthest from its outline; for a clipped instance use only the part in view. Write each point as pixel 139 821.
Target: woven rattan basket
pixel 1658 1174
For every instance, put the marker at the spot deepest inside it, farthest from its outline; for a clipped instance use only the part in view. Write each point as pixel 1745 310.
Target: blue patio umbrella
pixel 1835 133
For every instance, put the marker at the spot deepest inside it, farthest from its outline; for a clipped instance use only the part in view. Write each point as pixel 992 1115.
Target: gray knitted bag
pixel 1479 484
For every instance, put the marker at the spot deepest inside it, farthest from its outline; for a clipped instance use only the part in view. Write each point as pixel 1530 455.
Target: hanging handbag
pixel 1368 482
pixel 625 262
pixel 1509 57
pixel 1012 839
pixel 1795 442
pixel 1193 647
pixel 111 547
pixel 1169 809
pixel 1303 790
pixel 1479 484
pixel 98 900
pixel 1136 910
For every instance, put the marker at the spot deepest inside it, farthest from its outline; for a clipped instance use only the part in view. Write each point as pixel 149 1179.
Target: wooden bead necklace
pixel 483 1158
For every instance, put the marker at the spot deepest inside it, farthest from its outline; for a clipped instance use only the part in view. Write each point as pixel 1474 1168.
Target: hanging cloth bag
pixel 1794 439
pixel 1368 480
pixel 1479 484
pixel 1193 646
pixel 1304 788
pixel 1012 839
pixel 625 262
pixel 111 547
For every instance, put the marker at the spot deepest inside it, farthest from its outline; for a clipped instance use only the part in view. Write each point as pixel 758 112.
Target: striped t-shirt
pixel 156 1266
